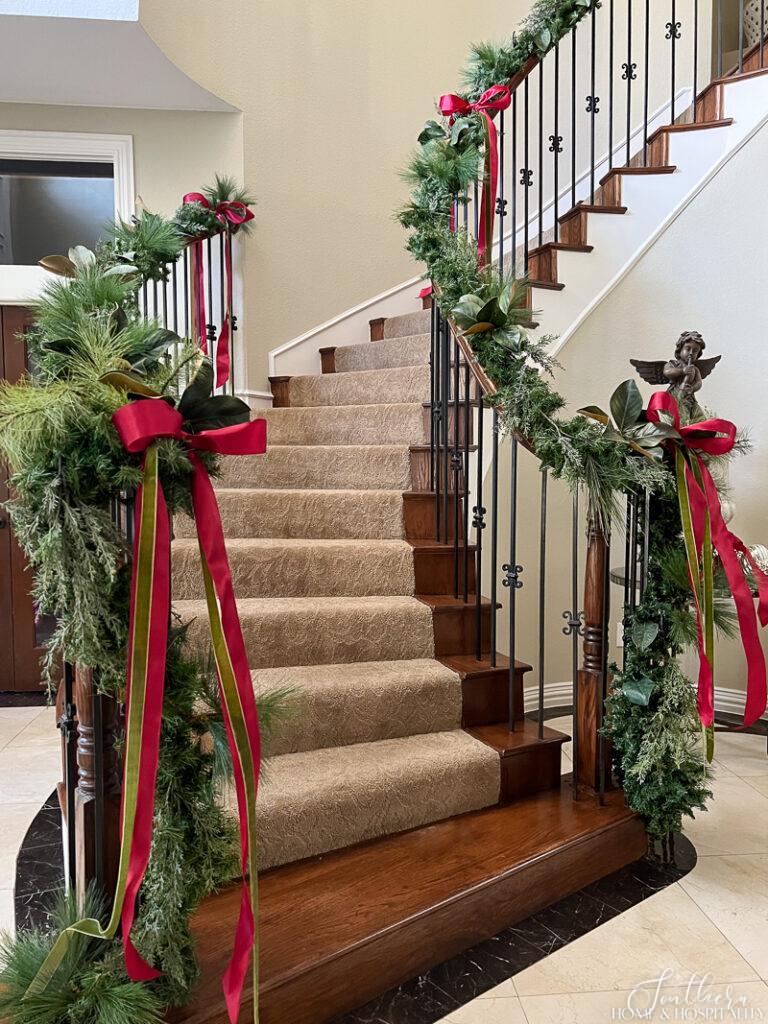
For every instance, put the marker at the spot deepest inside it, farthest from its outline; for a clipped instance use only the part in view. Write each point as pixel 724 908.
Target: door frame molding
pixel 21 284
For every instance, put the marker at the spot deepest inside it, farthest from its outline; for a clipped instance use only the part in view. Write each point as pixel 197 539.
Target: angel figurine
pixel 683 374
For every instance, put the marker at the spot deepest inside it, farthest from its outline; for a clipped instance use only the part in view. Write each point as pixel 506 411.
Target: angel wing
pixel 706 366
pixel 652 370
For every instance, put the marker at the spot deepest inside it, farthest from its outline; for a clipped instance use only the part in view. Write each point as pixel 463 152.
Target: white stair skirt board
pixel 653 202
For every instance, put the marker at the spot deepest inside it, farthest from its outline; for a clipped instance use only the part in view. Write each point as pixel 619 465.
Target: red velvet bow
pixel 498 97
pixel 140 424
pixel 717 437
pixel 228 214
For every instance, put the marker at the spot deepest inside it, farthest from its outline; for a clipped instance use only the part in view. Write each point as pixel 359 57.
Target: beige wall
pixel 174 151
pixel 333 94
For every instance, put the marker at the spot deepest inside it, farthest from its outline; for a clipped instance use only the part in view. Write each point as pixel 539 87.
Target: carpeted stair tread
pixel 302 568
pixel 336 514
pixel 325 799
pixel 401 423
pixel 408 323
pixel 361 387
pixel 322 630
pixel 337 705
pixel 384 467
pixel 409 350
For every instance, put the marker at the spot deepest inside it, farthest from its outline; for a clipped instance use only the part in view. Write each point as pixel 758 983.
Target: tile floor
pixel 697 950
pixel 30 767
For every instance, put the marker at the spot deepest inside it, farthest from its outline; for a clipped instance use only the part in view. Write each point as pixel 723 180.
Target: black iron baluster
pixel 627 549
pixel 445 419
pixel 741 36
pixel 501 201
pixel 155 303
pixel 673 34
pixel 512 580
pixel 233 320
pixel 211 326
pixel 494 533
pixel 525 175
pixel 592 105
pixel 556 140
pixel 542 594
pixel 68 729
pixel 456 461
pixel 695 56
pixel 604 672
pixel 575 632
pixel 432 393
pixel 646 541
pixel 186 292
pixel 478 521
pixel 610 85
pixel 513 184
pixel 762 33
pixel 573 116
pixel 466 209
pixel 222 298
pixel 476 211
pixel 437 412
pixel 719 38
pixel 633 554
pixel 646 70
pixel 629 76
pixel 165 302
pixel 465 475
pixel 175 295
pixel 145 299
pixel 541 152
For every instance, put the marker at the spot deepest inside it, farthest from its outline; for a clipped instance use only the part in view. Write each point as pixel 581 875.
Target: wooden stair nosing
pixel 620 171
pixel 559 247
pixel 691 126
pixel 512 744
pixel 466 882
pixel 552 286
pixel 590 208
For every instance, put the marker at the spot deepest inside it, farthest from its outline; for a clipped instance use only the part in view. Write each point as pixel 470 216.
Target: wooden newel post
pixel 591 686
pixel 97 797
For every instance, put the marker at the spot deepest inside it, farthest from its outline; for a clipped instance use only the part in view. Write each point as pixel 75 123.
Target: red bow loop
pixel 140 423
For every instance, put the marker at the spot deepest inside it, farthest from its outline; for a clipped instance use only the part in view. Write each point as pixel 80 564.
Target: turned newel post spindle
pixel 591 681
pixel 97 797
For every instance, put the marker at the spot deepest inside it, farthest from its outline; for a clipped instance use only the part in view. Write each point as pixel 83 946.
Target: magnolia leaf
pixel 479 328
pixel 121 270
pixel 460 125
pixel 610 433
pixel 490 312
pixel 466 309
pixel 218 411
pixel 509 339
pixel 593 412
pixel 643 634
pixel 626 405
pixel 198 390
pixel 638 691
pixel 504 300
pixel 649 453
pixel 128 382
pixel 82 257
pixel 61 265
pixel 431 130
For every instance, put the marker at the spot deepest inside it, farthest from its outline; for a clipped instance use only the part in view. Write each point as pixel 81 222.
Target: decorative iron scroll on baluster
pixel 555 143
pixel 629 71
pixel 526 177
pixel 593 104
pixel 574 623
pixel 501 207
pixel 478 517
pixel 511 576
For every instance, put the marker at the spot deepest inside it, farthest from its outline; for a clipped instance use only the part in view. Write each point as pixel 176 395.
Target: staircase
pixel 397 806
pixel 345 598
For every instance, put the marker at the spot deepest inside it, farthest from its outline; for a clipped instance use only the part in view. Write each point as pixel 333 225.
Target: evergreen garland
pixel 90 351
pixel 651 716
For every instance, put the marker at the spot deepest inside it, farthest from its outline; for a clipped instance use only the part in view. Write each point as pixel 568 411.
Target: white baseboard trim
pixel 558 695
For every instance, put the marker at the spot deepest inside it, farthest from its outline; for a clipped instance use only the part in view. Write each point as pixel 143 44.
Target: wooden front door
pixel 21 633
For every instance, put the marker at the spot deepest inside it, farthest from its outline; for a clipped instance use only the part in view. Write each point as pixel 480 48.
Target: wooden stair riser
pixel 485 696
pixel 328 359
pixel 421 473
pixel 542 265
pixel 658 150
pixel 465 423
pixel 476 875
pixel 530 771
pixel 611 183
pixel 710 104
pixel 420 516
pixel 455 628
pixel 573 224
pixel 377 328
pixel 434 569
pixel 279 387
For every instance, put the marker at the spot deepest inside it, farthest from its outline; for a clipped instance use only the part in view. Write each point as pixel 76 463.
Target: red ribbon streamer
pixel 229 215
pixel 697 437
pixel 139 424
pixel 498 97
